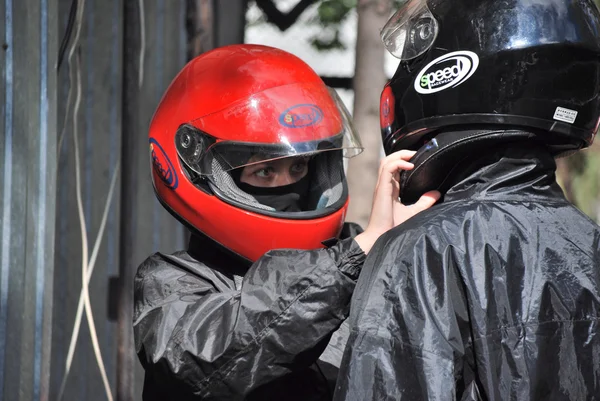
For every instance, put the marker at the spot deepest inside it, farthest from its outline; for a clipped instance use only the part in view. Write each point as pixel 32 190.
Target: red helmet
pixel 248 101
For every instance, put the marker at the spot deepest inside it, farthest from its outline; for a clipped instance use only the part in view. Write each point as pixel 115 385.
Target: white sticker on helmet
pixel 565 115
pixel 447 71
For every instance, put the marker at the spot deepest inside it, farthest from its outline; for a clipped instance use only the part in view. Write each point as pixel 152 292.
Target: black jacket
pixel 492 295
pixel 204 332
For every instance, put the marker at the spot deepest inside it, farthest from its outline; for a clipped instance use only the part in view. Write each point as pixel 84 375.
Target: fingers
pixel 388 182
pixel 396 187
pixel 389 167
pixel 403 213
pixel 402 154
pixel 426 201
pixel 397 160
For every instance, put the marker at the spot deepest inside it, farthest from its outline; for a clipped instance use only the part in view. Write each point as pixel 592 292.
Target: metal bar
pixel 28 197
pixel 6 206
pixel 129 162
pixel 42 215
pixel 339 82
pixel 229 21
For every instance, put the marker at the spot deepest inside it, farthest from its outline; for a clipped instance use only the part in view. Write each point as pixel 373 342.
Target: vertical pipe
pixel 7 183
pixel 129 162
pixel 230 21
pixel 40 382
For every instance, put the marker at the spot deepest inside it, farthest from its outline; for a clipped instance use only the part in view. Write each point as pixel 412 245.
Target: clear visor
pixel 298 136
pixel 411 31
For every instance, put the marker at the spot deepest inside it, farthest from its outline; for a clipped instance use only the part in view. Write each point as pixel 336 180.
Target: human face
pixel 275 173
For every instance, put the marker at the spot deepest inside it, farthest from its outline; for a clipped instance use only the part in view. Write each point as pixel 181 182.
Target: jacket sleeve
pixel 408 324
pixel 351 230
pixel 222 343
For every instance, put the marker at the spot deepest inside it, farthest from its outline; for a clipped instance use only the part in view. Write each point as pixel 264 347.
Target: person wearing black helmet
pixel 494 293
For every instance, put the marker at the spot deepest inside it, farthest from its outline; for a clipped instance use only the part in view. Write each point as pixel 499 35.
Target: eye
pixel 299 167
pixel 265 172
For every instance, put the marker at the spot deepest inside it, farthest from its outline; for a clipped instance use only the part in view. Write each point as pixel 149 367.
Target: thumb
pixel 427 200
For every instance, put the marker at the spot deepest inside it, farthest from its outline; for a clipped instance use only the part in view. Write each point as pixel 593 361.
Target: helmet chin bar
pixel 438 160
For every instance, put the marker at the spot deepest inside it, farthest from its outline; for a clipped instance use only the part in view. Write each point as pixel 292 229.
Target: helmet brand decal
pixel 162 165
pixel 301 115
pixel 447 71
pixel 566 115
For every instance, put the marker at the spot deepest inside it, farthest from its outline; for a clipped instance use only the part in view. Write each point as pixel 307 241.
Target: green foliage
pixel 577 163
pixel 331 14
pixel 579 175
pixel 586 182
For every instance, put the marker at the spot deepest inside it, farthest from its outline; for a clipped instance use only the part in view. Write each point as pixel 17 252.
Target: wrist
pixel 365 241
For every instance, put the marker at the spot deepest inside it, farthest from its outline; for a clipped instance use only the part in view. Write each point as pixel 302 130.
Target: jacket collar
pixel 216 256
pixel 523 171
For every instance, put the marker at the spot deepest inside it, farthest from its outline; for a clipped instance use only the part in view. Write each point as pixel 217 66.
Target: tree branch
pixel 338 82
pixel 279 19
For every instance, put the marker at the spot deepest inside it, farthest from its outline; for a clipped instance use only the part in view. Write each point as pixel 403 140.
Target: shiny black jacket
pixel 493 294
pixel 208 328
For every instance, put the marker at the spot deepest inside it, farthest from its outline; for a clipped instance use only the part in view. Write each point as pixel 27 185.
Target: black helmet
pixel 531 65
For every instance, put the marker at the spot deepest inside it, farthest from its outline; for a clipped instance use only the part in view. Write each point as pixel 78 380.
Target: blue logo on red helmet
pixel 301 115
pixel 162 165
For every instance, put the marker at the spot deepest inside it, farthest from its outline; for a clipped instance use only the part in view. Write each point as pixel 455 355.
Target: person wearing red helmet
pixel 247 150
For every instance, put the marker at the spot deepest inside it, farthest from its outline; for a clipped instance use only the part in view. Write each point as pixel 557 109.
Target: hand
pixel 388 211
